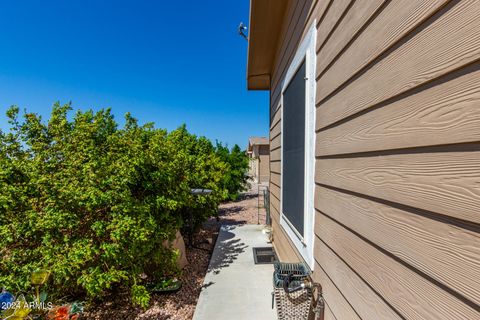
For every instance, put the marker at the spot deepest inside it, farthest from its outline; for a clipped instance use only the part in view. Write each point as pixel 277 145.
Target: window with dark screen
pixel 293 158
pixel 297 179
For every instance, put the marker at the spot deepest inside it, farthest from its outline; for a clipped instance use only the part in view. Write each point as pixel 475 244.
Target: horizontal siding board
pixel 292 13
pixel 274 108
pixel 366 302
pixel 283 245
pixel 275 126
pixel 276 212
pixel 413 296
pixel 443 182
pixel 315 9
pixel 320 11
pixel 276 117
pixel 332 16
pixel 291 46
pixel 276 142
pixel 275 202
pixel 333 298
pixel 313 5
pixel 363 279
pixel 450 42
pixel 358 15
pixel 446 113
pixel 328 315
pixel 275 178
pixel 275 166
pixel 275 190
pixel 273 212
pixel 443 251
pixel 275 131
pixel 291 40
pixel 275 154
pixel 274 105
pixel 279 243
pixel 392 24
pixel 276 136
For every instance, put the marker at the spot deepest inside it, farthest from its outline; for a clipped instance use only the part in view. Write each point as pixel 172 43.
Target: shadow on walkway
pixel 227 250
pixel 236 288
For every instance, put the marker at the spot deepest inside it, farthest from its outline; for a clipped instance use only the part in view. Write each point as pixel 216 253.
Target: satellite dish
pixel 241 29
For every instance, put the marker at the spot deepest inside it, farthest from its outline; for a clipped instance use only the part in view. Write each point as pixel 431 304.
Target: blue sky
pixel 170 62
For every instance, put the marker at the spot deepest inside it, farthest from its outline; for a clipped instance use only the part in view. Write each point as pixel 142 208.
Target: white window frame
pixel 306 52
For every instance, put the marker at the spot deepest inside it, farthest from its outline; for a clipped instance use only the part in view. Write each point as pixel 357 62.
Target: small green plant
pixel 140 295
pixel 165 285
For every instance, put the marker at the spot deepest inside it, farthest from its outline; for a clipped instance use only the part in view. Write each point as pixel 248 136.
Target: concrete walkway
pixel 235 287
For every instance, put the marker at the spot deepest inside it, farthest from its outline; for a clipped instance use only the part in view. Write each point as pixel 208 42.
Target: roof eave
pixel 266 19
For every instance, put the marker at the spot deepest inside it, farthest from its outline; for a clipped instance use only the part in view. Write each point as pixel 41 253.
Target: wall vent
pixel 264 255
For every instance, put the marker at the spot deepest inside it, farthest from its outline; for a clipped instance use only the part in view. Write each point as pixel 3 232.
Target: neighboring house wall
pixel 263 163
pixel 259 168
pixel 397 193
pixel 252 169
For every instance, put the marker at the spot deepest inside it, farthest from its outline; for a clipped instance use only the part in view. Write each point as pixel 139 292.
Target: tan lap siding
pixel 398 155
pixel 294 27
pixel 347 29
pixel 275 166
pixel 275 138
pixel 409 293
pixel 281 242
pixel 331 19
pixel 298 14
pixel 449 41
pixel 392 24
pixel 311 10
pixel 446 183
pixel 341 303
pixel 445 252
pixel 365 302
pixel 275 178
pixel 445 111
pixel 334 298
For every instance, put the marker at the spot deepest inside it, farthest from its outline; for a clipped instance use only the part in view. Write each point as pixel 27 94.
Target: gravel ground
pixel 181 305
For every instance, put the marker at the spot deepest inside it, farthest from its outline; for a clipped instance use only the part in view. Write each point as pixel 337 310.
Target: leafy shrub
pixel 94 203
pixel 235 179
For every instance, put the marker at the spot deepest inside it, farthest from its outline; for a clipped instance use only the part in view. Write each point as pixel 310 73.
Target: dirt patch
pixel 173 306
pixel 181 305
pixel 243 211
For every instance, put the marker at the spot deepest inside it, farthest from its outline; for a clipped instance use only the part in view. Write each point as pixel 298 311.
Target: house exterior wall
pixel 252 167
pixel 264 164
pixel 259 163
pixel 397 169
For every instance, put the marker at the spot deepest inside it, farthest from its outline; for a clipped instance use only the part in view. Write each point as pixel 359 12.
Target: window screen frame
pixel 305 52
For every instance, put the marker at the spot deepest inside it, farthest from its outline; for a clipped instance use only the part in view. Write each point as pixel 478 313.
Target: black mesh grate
pixel 264 255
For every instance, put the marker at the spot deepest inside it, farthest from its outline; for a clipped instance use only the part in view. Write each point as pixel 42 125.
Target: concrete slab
pixel 235 287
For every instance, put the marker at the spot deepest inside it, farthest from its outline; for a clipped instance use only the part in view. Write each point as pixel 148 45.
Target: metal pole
pixel 258 203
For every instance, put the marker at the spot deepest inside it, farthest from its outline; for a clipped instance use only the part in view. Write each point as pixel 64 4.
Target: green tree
pixel 95 203
pixel 235 179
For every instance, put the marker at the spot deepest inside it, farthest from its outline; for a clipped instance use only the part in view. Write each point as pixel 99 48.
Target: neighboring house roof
pixel 252 141
pixel 266 18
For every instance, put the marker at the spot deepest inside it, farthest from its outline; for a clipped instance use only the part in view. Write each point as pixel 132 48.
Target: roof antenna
pixel 241 29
